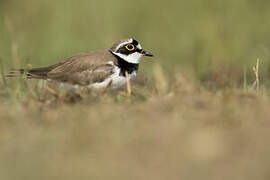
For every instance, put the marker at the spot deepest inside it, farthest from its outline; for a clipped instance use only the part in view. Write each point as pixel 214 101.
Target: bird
pixel 94 69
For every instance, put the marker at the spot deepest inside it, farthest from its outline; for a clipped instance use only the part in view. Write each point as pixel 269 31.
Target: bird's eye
pixel 130 47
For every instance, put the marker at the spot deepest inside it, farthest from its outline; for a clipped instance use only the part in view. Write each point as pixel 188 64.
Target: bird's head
pixel 129 50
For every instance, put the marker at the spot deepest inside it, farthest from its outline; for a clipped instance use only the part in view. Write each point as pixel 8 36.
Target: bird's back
pixel 79 69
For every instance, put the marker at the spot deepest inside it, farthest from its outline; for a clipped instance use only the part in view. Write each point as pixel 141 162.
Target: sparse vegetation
pixel 198 111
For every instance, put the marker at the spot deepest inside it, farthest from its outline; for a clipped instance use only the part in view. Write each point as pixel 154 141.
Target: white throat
pixel 131 58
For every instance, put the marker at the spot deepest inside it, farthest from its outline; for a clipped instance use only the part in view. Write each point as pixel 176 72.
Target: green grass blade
pixel 2 73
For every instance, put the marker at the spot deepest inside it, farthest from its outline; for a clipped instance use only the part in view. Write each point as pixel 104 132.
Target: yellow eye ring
pixel 130 47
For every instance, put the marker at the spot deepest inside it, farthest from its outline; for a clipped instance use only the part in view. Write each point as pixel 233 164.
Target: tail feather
pixel 15 73
pixel 37 73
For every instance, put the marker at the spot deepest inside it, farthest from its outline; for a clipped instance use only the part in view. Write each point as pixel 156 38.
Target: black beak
pixel 145 53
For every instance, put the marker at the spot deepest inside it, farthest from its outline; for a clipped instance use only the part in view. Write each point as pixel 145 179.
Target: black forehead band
pixel 134 42
pixel 123 50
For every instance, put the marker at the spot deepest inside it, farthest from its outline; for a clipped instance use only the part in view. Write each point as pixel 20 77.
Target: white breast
pixel 116 80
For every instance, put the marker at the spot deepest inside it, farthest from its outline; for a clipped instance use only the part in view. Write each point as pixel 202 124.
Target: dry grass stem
pixel 255 69
pixel 52 91
pixel 162 85
pixel 2 72
pixel 128 84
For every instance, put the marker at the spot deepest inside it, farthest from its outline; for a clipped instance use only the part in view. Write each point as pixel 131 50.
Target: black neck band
pixel 125 66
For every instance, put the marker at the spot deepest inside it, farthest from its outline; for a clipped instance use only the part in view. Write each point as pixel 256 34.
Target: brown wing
pixel 85 76
pixel 84 68
pixel 80 69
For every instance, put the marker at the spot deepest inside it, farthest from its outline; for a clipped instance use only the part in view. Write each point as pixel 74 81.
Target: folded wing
pixel 80 69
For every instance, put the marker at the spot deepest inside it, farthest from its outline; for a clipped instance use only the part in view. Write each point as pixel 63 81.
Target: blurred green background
pixel 217 39
pixel 185 132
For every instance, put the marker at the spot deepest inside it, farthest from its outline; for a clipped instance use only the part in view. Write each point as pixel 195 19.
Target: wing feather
pixel 84 68
pixel 80 69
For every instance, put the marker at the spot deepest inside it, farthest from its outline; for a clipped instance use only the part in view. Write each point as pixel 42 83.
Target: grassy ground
pixel 193 112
